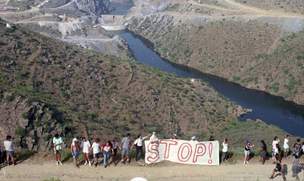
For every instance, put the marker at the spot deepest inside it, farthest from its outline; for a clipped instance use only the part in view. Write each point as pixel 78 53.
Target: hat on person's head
pixel 193 138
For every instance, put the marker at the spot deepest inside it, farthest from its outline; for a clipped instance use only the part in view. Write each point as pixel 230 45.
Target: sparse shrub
pixel 52 179
pixel 20 131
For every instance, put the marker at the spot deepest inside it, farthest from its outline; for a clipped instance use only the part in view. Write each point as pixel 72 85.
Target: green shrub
pixel 20 131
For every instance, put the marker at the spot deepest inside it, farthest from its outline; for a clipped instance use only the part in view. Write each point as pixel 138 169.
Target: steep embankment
pixel 257 48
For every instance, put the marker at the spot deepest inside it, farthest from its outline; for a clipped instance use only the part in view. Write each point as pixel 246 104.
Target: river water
pixel 271 109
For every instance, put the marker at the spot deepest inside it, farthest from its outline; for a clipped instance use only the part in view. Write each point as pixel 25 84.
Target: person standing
pixel 286 146
pixel 115 147
pixel 247 151
pixel 86 147
pixel 107 149
pixel 125 146
pixel 1 153
pixel 153 138
pixel 75 150
pixel 297 149
pixel 275 150
pixel 96 151
pixel 9 149
pixel 139 143
pixel 224 150
pixel 263 152
pixel 57 143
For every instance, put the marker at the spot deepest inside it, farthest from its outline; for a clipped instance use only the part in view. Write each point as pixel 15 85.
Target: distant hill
pixel 259 47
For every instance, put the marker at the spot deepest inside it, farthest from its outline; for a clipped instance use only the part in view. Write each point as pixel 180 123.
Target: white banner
pixel 180 151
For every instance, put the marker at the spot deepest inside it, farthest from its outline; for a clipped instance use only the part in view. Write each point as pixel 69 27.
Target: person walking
pixel 263 151
pixel 139 143
pixel 9 149
pixel 125 146
pixel 57 143
pixel 278 170
pixel 107 149
pixel 96 148
pixel 296 168
pixel 75 150
pixel 224 150
pixel 86 147
pixel 286 146
pixel 247 151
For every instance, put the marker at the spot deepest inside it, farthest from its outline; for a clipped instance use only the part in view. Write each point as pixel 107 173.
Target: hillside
pixel 47 85
pixel 257 48
pixel 77 21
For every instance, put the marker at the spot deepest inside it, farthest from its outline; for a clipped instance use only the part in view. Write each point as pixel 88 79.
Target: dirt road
pixel 162 172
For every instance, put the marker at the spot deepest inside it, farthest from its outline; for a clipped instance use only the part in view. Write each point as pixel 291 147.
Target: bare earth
pixel 67 172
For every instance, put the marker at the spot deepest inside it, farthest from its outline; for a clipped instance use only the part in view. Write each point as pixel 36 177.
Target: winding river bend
pixel 271 109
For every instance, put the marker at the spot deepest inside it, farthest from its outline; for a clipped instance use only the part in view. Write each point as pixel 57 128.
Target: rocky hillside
pixel 295 6
pixel 74 7
pixel 74 21
pixel 47 85
pixel 255 47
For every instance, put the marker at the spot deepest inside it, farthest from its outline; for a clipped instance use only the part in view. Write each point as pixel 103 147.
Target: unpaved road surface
pixel 162 172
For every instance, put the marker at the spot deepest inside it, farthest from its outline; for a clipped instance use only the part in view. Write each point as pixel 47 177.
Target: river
pixel 271 109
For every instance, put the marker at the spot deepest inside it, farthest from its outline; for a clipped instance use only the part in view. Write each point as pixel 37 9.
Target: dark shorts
pixel 97 155
pixel 115 151
pixel 278 168
pixel 10 153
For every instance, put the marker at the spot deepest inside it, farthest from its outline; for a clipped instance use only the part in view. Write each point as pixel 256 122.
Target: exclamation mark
pixel 210 149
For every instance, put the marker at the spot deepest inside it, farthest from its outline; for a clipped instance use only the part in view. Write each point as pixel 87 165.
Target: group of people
pixel 93 152
pixel 277 155
pixel 102 153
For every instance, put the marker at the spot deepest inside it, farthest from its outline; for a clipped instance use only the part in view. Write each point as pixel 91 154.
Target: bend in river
pixel 271 109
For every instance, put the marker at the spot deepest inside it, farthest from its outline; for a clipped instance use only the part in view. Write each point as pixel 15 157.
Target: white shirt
pixel 274 146
pixel 86 147
pixel 96 148
pixel 8 145
pixel 153 138
pixel 57 143
pixel 285 145
pixel 225 147
pixel 139 141
pixel 107 148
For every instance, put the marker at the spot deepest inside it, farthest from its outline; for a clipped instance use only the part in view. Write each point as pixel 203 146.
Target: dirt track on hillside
pixel 162 172
pixel 233 6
